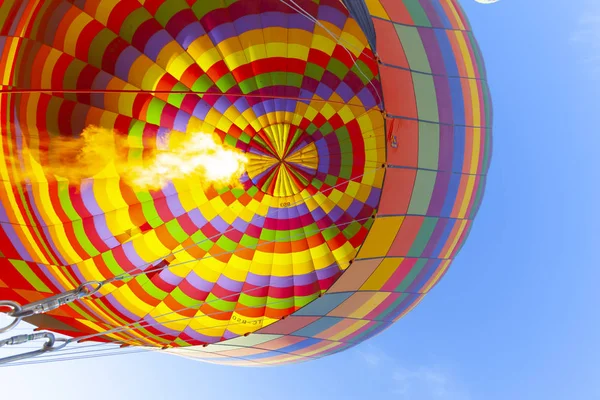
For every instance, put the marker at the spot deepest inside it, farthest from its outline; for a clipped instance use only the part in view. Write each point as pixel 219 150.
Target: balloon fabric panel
pixel 364 171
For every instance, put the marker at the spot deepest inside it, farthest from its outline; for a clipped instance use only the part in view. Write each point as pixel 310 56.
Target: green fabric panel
pixel 487 151
pixel 30 276
pixel 314 71
pixel 423 237
pixel 98 47
pixel 168 9
pixel 226 244
pixel 132 23
pixel 330 233
pixel 202 241
pixel 109 259
pixel 489 117
pixel 201 8
pixel 362 71
pixel 331 180
pixel 155 110
pixel 338 68
pixel 422 192
pixel 351 230
pixel 279 78
pixel 413 48
pixel 478 198
pixel 416 12
pixel 183 298
pixel 176 231
pixel 247 300
pixel 202 84
pixel 82 238
pixel 248 241
pixel 429 145
pixel 326 129
pixel 427 106
pixel 384 315
pixel 226 82
pixel 280 304
pixel 151 288
pixel 220 304
pixel 267 234
pixel 176 99
pixel 409 279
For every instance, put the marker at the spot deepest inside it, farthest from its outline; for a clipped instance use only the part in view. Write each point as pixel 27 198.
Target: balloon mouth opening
pixel 282 160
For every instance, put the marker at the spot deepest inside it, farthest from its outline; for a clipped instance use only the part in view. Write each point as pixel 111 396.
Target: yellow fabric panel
pixel 124 295
pixel 382 274
pixel 461 227
pixel 468 195
pixel 375 300
pixel 381 237
pixel 75 28
pixel 376 9
pixel 104 10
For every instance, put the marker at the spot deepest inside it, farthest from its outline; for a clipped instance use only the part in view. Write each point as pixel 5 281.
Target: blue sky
pixel 517 315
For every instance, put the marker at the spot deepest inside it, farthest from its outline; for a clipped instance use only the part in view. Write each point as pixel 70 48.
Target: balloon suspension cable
pixel 19 312
pixel 300 10
pixel 50 345
pixel 84 290
pixel 22 90
pixel 129 327
pixel 152 269
pixel 133 326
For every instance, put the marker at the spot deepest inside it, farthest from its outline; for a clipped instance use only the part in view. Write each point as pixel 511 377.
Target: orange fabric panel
pixel 397 11
pixel 289 325
pixel 389 47
pixel 380 237
pixel 383 274
pixel 406 236
pixel 406 154
pixel 355 277
pixel 398 92
pixel 397 191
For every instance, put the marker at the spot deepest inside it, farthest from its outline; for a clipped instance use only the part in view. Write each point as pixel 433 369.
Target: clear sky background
pixel 516 317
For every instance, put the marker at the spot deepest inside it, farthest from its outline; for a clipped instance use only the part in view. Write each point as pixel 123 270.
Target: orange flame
pixel 199 156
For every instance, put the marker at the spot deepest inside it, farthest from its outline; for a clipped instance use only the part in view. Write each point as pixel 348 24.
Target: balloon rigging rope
pixel 68 354
pixel 300 10
pixel 45 360
pixel 195 244
pixel 194 306
pixel 85 349
pixel 299 236
pixel 137 325
pixel 144 91
pixel 143 324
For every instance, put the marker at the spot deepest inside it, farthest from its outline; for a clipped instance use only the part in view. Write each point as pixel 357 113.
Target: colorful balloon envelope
pixel 363 128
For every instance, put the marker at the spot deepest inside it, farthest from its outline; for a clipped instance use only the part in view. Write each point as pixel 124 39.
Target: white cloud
pixel 427 383
pixel 421 382
pixel 586 37
pixel 372 356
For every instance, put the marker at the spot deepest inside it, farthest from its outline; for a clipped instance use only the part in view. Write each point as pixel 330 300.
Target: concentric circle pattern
pixel 366 125
pixel 265 250
pixel 283 163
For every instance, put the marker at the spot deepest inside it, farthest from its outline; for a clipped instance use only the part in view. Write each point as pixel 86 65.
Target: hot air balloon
pixel 354 137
